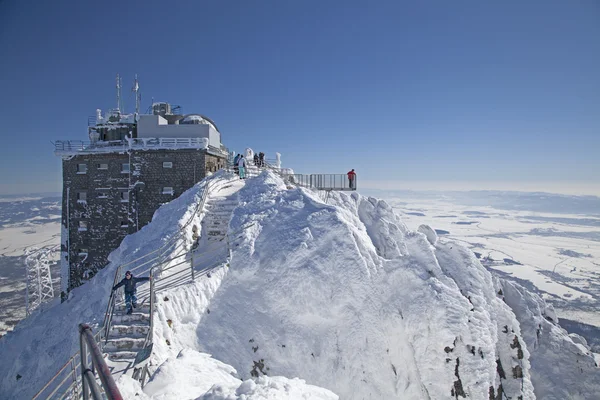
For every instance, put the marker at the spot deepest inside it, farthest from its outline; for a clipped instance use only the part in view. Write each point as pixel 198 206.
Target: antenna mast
pixel 136 90
pixel 118 93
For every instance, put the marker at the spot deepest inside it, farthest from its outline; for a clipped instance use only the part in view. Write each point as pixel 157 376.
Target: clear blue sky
pixel 427 91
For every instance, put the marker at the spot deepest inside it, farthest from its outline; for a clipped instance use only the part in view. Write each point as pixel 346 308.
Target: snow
pixel 197 118
pixel 428 231
pixel 196 375
pixel 318 299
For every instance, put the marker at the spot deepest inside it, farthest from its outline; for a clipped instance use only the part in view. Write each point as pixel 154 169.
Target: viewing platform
pixel 338 182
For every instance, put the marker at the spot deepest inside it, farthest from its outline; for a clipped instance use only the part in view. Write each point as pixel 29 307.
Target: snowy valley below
pixel 351 298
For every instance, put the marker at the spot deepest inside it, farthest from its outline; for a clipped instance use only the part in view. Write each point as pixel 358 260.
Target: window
pixel 124 224
pixel 167 190
pixel 81 197
pixel 82 168
pixel 103 166
pixel 167 164
pixel 102 195
pixel 83 226
pixel 125 168
pixel 124 196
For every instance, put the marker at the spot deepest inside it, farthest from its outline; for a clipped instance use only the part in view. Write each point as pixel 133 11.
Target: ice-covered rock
pixel 428 231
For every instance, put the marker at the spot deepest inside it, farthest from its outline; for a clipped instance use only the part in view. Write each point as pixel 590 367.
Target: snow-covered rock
pixel 266 387
pixel 562 365
pixel 192 375
pixel 428 231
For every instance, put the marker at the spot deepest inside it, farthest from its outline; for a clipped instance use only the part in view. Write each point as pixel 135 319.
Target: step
pixel 220 210
pixel 222 206
pixel 143 308
pixel 122 355
pixel 124 344
pixel 217 223
pixel 222 203
pixel 117 319
pixel 222 218
pixel 133 330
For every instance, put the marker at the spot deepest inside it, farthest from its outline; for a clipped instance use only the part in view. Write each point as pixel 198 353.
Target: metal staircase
pixel 127 336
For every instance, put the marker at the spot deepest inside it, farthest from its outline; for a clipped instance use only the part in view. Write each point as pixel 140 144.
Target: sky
pixel 459 94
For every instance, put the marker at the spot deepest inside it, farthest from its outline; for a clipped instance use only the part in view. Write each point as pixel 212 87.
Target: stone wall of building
pixel 117 194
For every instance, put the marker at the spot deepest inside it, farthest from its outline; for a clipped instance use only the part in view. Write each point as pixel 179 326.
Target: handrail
pixel 111 304
pixel 321 181
pixel 88 378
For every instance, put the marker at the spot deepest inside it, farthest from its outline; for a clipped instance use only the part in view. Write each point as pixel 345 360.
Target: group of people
pixel 239 163
pixel 239 166
pixel 259 159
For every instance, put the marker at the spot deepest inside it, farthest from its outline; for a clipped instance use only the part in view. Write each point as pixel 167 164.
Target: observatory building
pixel 113 183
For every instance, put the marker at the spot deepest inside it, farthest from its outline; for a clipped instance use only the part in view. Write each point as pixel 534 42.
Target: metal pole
pixel 192 264
pixel 82 350
pixel 74 375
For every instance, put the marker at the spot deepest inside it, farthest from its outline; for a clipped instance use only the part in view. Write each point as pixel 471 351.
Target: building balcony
pixel 79 147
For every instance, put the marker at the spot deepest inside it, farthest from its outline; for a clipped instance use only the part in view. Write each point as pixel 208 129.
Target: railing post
pixel 192 264
pixel 74 375
pixel 83 355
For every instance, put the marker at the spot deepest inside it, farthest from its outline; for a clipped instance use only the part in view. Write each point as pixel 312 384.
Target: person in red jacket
pixel 352 178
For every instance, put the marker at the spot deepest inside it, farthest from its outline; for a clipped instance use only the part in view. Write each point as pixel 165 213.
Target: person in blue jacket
pixel 129 282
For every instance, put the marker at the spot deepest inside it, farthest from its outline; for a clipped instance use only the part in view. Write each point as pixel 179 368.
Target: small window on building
pixel 103 166
pixel 124 196
pixel 83 225
pixel 124 224
pixel 125 168
pixel 167 164
pixel 81 197
pixel 167 190
pixel 82 168
pixel 102 195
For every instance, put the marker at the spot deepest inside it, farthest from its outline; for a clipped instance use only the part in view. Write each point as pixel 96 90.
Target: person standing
pixel 261 159
pixel 235 163
pixel 129 282
pixel 352 179
pixel 242 167
pixel 256 161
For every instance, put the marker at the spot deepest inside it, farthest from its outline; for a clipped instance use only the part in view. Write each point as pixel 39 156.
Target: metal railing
pixel 88 371
pixel 75 146
pixel 321 181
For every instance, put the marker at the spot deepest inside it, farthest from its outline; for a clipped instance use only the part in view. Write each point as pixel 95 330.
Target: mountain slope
pixel 340 295
pixel 344 296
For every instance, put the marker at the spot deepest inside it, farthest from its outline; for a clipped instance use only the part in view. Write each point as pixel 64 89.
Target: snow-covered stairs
pixel 216 222
pixel 126 337
pixel 212 248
